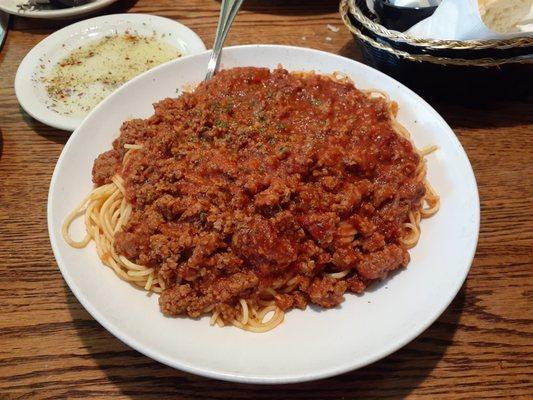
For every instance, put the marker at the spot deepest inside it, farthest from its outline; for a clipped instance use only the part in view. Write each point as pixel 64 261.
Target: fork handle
pixel 228 11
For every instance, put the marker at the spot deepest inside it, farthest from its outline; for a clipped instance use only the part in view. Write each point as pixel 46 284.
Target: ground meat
pixel 182 299
pixel 377 265
pixel 105 166
pixel 356 284
pixel 327 292
pixel 276 194
pixel 259 179
pixel 262 246
pixel 128 244
pixel 321 226
pixel 174 301
pixel 133 131
pixel 231 288
pixel 228 312
pixel 295 299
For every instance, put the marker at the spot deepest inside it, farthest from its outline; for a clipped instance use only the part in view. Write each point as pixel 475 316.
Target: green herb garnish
pixel 221 124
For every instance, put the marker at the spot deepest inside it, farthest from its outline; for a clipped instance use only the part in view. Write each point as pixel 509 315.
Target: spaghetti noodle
pixel 345 252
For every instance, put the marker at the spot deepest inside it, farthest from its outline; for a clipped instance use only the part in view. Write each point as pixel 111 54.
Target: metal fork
pixel 228 10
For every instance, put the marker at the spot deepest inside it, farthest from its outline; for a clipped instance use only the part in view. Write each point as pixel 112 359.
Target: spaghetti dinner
pixel 258 192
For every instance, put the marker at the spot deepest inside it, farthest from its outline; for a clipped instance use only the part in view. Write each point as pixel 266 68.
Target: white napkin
pixel 460 20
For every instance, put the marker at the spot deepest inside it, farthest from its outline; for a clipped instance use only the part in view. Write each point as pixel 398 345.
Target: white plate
pixel 309 344
pixel 4 24
pixel 31 92
pixel 11 6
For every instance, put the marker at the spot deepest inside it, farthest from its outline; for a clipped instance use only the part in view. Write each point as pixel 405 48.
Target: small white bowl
pixel 30 90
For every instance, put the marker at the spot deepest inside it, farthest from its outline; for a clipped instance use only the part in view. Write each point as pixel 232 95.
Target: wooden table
pixel 481 347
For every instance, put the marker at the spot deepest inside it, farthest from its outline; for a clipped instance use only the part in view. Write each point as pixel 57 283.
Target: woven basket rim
pixel 380 30
pixel 480 62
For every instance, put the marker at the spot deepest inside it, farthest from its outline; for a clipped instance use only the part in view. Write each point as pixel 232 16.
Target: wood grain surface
pixel 480 348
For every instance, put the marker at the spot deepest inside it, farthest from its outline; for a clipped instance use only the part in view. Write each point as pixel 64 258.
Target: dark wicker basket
pixel 479 69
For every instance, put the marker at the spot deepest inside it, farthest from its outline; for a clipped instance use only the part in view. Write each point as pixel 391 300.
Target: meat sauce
pixel 261 177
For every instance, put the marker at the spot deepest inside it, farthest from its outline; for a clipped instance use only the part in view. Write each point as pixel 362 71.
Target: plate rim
pixel 31 60
pixel 240 377
pixel 60 13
